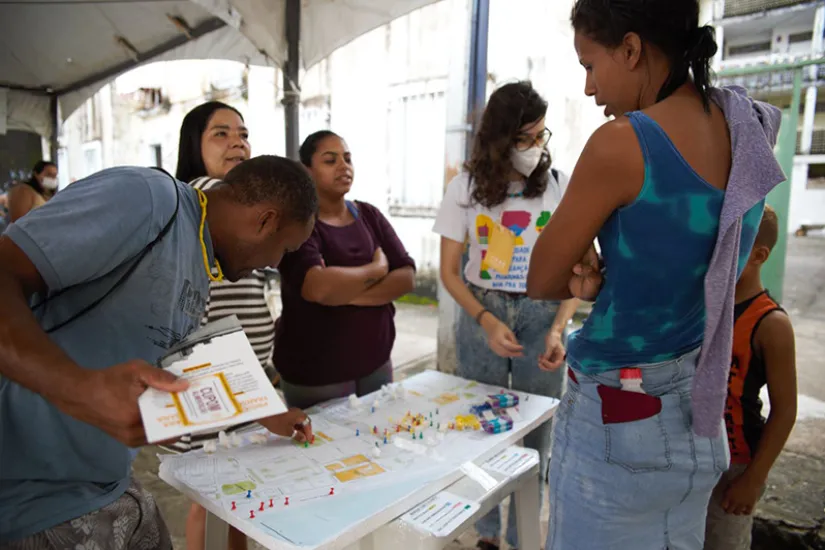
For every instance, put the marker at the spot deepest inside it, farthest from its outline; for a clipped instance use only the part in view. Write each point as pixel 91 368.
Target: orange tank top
pixel 743 411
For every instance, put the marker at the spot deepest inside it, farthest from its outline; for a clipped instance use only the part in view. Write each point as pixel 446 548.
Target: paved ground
pixel 792 514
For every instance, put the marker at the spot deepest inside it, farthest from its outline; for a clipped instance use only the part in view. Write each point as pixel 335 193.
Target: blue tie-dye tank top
pixel 656 252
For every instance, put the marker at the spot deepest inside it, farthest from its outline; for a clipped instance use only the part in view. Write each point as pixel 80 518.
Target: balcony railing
pixel 817 143
pixel 735 8
pixel 774 81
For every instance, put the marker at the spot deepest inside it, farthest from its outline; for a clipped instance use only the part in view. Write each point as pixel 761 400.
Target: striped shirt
pixel 244 298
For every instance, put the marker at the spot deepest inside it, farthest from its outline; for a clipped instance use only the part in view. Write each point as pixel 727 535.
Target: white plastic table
pixel 381 527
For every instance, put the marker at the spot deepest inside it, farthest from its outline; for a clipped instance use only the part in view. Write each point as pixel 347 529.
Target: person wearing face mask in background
pixel 33 192
pixel 507 187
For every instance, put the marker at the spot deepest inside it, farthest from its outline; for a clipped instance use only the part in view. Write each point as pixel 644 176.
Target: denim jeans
pixel 640 484
pixel 530 320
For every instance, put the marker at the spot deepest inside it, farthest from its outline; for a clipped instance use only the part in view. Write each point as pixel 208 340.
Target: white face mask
pixel 49 183
pixel 526 161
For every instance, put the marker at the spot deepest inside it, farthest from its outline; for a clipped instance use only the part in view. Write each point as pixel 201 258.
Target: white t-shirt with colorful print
pixel 460 217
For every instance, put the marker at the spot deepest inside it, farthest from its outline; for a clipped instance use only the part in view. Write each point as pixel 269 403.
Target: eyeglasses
pixel 526 141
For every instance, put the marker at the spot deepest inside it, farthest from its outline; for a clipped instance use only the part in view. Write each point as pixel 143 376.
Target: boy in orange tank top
pixel 763 353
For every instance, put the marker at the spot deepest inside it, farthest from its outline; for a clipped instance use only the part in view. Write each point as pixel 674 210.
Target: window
pixel 62 168
pixel 816 176
pixel 416 133
pixel 749 49
pixel 735 8
pixel 314 115
pixel 157 155
pixel 92 161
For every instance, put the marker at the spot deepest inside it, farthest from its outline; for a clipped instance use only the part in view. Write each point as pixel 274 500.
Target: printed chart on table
pixel 367 454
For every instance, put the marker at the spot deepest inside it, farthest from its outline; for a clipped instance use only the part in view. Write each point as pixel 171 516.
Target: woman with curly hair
pixel 502 201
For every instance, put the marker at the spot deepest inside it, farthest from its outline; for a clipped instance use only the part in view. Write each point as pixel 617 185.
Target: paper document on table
pixel 227 385
pixel 509 462
pixel 441 514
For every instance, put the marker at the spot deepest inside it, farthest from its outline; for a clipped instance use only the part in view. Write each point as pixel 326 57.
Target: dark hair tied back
pixel 672 26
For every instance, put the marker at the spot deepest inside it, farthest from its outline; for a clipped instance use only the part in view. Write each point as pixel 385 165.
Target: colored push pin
pixel 436 411
pixel 286 501
pixel 413 435
pixel 270 503
pixel 421 435
pixel 431 423
pixel 233 505
pixel 249 494
pixel 385 440
pixel 306 444
pixel 357 432
pixel 376 444
pixel 372 409
pixel 397 429
pixel 252 514
pixel 331 491
pixel 261 509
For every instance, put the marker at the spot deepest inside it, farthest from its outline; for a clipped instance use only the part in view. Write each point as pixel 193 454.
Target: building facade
pixel 386 93
pixel 777 32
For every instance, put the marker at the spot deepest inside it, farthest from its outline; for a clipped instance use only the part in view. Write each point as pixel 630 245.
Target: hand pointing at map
pixel 293 423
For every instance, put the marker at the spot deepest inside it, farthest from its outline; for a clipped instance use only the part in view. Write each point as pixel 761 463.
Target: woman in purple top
pixel 337 328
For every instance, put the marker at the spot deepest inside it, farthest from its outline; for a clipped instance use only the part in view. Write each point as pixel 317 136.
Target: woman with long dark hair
pixel 213 140
pixel 502 202
pixel 674 189
pixel 35 191
pixel 337 328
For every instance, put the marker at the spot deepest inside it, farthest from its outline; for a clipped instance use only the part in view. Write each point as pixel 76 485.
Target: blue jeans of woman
pixel 530 320
pixel 617 482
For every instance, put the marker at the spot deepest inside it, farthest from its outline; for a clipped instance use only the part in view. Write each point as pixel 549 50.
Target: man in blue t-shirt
pixel 123 260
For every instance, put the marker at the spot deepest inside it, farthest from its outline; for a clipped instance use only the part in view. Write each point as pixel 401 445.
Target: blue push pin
pixel 385 440
pixel 357 432
pixel 249 494
pixel 372 410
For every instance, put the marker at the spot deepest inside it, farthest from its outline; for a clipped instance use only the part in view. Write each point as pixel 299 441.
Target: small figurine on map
pixel 233 506
pixel 259 438
pixel 331 491
pixel 210 446
pixel 249 494
pixel 252 514
pixel 286 501
pixel 223 439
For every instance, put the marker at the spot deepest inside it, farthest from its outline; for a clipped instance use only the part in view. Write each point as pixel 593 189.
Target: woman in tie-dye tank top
pixel 628 469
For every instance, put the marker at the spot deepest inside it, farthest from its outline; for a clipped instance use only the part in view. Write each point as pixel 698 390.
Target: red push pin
pixel 331 491
pixel 286 501
pixel 252 514
pixel 261 509
pixel 233 505
pixel 270 503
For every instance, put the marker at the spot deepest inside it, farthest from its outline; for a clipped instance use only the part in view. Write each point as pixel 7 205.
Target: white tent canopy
pixel 63 51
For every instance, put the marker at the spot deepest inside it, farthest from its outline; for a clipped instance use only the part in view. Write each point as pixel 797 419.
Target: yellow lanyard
pixel 202 200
